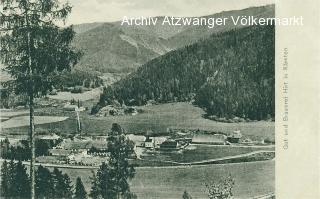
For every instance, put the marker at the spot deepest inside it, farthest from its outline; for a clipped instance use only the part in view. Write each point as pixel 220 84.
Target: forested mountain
pixel 228 74
pixel 110 47
pixel 192 34
pixel 114 48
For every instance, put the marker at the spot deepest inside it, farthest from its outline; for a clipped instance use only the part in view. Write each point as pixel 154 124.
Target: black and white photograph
pixel 120 99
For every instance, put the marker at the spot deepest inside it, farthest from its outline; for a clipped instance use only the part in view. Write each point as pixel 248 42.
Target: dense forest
pixel 229 74
pixel 78 78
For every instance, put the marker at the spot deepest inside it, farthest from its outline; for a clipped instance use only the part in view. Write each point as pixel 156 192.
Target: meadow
pixel 87 95
pixel 22 121
pixel 194 153
pixel 251 179
pixel 157 118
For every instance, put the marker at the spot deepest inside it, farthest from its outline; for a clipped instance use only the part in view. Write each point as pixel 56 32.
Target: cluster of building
pixel 92 150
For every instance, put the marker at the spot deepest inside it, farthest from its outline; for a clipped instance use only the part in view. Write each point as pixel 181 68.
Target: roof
pixel 156 139
pixel 99 144
pixel 235 134
pixel 169 143
pixel 61 152
pixel 209 138
pixel 84 144
pixel 136 138
pixel 70 107
pixel 159 139
pixel 50 137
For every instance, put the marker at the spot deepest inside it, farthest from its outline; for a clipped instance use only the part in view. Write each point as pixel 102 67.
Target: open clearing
pixel 158 118
pixel 24 121
pixel 11 113
pixel 87 95
pixel 251 179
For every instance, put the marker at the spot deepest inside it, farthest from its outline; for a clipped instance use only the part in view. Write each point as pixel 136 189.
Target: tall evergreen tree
pixel 67 192
pixel 5 179
pixel 121 149
pixel 21 182
pixel 95 192
pixel 34 50
pixel 44 183
pixel 112 178
pixel 80 192
pixel 42 148
pixel 11 171
pixel 105 182
pixel 62 185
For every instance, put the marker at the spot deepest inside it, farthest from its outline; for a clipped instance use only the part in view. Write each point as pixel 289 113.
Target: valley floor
pixel 251 178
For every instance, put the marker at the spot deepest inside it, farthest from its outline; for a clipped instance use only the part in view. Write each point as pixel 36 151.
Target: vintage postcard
pixel 110 99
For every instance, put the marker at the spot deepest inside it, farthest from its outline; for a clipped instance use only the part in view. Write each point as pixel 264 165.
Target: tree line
pixel 74 78
pixel 229 74
pixel 15 183
pixel 21 151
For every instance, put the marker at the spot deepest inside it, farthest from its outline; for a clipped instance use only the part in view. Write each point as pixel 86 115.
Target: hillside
pixel 113 48
pixel 192 34
pixel 228 74
pixel 110 47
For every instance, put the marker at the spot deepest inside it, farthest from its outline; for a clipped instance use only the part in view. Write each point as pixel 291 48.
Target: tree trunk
pixel 32 147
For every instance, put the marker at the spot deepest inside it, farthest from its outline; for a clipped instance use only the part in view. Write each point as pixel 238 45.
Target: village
pixel 92 150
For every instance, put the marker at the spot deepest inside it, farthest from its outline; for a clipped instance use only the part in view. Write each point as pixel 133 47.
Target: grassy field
pixel 21 121
pixel 195 153
pixel 251 179
pixel 10 113
pixel 67 96
pixel 158 118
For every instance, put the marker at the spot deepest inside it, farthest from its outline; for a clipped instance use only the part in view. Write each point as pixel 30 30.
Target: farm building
pixel 169 145
pixel 59 152
pixel 73 107
pixel 51 139
pixel 70 107
pixel 158 140
pixel 154 142
pixel 149 143
pixel 139 140
pixel 218 139
pixel 83 145
pixel 234 137
pixel 99 138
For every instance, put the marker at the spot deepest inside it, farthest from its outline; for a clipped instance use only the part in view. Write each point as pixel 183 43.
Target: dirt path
pixel 179 164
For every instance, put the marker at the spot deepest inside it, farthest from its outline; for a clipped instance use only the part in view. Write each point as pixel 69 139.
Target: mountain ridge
pixel 108 46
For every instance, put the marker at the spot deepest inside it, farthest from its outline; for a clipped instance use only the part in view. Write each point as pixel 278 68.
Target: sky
pixel 88 11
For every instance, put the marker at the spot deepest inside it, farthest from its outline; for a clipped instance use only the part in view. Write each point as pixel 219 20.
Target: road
pixel 180 165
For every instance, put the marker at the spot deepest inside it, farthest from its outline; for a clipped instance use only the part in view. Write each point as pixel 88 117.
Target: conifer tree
pixel 95 189
pixel 62 185
pixel 111 181
pixel 67 192
pixel 44 183
pixel 80 192
pixel 121 149
pixel 4 189
pixel 20 187
pixel 34 50
pixel 11 171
